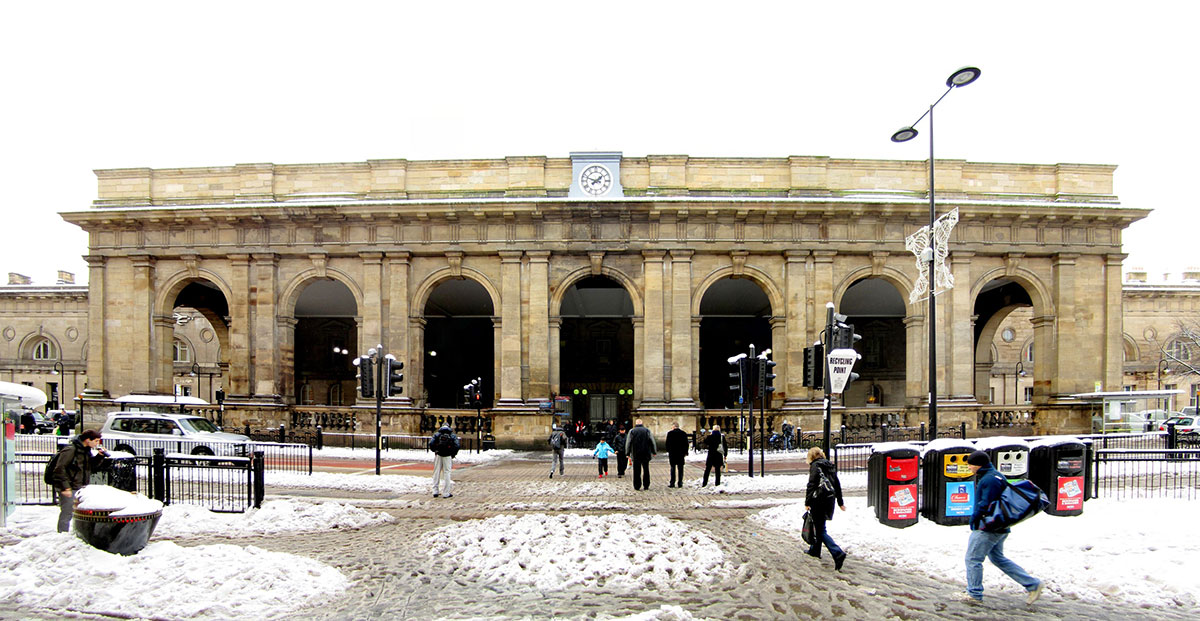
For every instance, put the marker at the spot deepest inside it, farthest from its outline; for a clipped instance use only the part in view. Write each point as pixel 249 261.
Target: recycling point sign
pixel 841 363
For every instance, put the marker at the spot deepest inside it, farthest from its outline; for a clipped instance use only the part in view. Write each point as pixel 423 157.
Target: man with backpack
pixel 558 447
pixel 989 485
pixel 444 445
pixel 71 469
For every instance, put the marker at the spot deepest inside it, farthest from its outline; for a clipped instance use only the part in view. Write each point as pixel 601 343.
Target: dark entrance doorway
pixel 735 313
pixel 596 350
pixel 459 343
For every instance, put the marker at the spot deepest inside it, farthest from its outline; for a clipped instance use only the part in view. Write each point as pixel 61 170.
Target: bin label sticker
pixel 902 469
pixel 956 466
pixel 1070 493
pixel 960 498
pixel 902 502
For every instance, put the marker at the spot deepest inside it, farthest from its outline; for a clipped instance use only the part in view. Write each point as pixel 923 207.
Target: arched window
pixel 183 352
pixel 44 350
pixel 1029 353
pixel 335 394
pixel 1179 350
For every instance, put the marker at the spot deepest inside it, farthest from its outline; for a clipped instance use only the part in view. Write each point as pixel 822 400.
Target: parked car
pixel 1184 424
pixel 140 425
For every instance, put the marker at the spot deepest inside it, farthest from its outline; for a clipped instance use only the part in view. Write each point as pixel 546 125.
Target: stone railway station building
pixel 615 286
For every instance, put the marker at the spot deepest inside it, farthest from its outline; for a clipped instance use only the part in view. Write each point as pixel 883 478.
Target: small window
pixel 44 350
pixel 183 353
pixel 1029 353
pixel 1179 350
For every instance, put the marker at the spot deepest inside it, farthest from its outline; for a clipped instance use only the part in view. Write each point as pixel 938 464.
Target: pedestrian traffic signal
pixel 814 366
pixel 393 382
pixel 366 376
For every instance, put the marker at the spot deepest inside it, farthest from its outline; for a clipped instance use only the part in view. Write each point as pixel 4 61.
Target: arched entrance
pixel 734 313
pixel 876 309
pixel 326 343
pixel 596 350
pixel 459 343
pixel 195 343
pixel 1005 356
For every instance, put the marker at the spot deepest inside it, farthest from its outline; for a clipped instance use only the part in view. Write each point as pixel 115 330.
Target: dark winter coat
pixel 989 484
pixel 619 443
pixel 814 481
pixel 716 445
pixel 640 443
pixel 75 466
pixel 444 448
pixel 677 445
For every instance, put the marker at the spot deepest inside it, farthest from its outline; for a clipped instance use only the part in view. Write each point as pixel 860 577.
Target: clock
pixel 596 180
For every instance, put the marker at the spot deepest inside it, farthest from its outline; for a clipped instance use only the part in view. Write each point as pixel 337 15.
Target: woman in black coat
pixel 819 503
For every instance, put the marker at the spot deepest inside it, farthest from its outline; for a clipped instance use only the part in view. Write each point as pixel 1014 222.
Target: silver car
pixel 139 432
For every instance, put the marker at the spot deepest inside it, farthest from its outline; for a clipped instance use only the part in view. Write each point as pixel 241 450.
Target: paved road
pixel 393 577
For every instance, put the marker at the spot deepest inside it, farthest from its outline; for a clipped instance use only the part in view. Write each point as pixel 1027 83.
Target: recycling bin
pixel 1059 466
pixel 1010 456
pixel 947 484
pixel 892 483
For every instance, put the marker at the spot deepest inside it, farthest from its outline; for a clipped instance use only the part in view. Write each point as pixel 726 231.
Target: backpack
pixel 556 440
pixel 1018 501
pixel 51 465
pixel 444 445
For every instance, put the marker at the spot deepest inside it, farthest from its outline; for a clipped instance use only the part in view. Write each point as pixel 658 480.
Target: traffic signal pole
pixel 825 339
pixel 379 410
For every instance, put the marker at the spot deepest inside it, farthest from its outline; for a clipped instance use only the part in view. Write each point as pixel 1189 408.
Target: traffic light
pixel 740 376
pixel 814 366
pixel 473 394
pixel 766 379
pixel 844 336
pixel 220 396
pixel 393 380
pixel 366 376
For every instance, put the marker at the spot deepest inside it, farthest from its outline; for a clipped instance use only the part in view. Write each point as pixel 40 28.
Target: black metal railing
pixel 280 456
pixel 1146 473
pixel 220 484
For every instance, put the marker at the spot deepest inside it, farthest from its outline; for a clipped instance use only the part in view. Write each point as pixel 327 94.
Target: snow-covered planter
pixel 114 520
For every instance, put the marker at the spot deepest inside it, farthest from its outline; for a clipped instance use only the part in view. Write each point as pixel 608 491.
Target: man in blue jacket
pixel 989 484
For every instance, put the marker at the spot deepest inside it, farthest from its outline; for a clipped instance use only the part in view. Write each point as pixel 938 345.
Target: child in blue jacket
pixel 603 450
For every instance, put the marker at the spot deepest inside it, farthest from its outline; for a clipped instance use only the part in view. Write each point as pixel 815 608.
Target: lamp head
pixel 904 134
pixel 962 77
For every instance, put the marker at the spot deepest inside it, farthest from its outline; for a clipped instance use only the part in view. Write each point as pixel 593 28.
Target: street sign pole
pixel 825 340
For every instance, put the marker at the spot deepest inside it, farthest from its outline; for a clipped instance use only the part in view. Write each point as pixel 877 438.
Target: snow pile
pixel 275 517
pixel 119 501
pixel 391 483
pixel 664 612
pixel 565 489
pixel 627 552
pixel 59 572
pixel 574 505
pixel 396 455
pixel 1132 551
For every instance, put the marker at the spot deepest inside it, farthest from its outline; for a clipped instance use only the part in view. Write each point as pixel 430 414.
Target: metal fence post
pixel 963 427
pixel 320 443
pixel 883 430
pixel 257 465
pixel 158 474
pixel 309 461
pixel 247 430
pixel 281 431
pixel 843 434
pixel 1171 437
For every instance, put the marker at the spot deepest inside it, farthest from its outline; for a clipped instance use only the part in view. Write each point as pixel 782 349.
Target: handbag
pixel 824 486
pixel 1019 501
pixel 808 532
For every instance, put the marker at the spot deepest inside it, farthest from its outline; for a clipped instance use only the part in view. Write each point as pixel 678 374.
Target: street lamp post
pixel 196 374
pixel 1162 361
pixel 962 77
pixel 58 370
pixel 1018 373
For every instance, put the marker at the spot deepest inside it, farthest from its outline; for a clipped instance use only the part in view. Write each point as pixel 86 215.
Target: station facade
pixel 616 285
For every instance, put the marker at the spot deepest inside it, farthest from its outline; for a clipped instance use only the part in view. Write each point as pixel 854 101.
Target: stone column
pixel 555 329
pixel 1071 347
pixel 163 361
pixel 696 359
pixel 510 328
pixel 654 328
pixel 395 323
pixel 264 304
pixel 684 356
pixel 285 330
pixel 141 343
pixel 372 304
pixel 795 333
pixel 97 367
pixel 1045 363
pixel 639 363
pixel 241 374
pixel 1114 347
pixel 916 357
pixel 416 371
pixel 539 324
pixel 778 335
pixel 959 333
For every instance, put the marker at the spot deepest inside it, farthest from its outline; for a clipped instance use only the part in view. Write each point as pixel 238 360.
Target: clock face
pixel 595 180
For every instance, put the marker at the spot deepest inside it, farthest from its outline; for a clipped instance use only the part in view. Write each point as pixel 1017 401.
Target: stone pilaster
pixel 683 363
pixel 163 361
pixel 539 324
pixel 1114 346
pixel 97 367
pixel 795 336
pixel 240 372
pixel 142 351
pixel 396 323
pixel 959 334
pixel 372 309
pixel 1045 367
pixel 510 328
pixel 916 349
pixel 1070 348
pixel 263 308
pixel 285 330
pixel 654 328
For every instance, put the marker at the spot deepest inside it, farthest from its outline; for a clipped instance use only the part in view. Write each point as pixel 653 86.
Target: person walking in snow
pixel 677 450
pixel 641 448
pixel 558 447
pixel 715 442
pixel 818 501
pixel 603 450
pixel 618 445
pixel 982 544
pixel 444 445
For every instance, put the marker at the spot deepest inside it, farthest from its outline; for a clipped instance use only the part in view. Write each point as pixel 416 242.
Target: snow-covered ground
pixel 395 455
pixel 390 483
pixel 1138 551
pixel 551 552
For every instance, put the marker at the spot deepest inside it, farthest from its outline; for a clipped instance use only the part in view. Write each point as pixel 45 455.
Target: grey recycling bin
pixel 947 484
pixel 1010 456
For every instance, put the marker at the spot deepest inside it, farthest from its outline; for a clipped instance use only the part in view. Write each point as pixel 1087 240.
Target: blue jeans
pixel 991 545
pixel 819 518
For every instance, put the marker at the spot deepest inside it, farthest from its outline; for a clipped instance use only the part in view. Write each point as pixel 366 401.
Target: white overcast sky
pixel 165 84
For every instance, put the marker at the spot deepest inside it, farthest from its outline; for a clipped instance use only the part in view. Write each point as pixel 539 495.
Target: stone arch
pixel 631 288
pixel 1039 293
pixel 757 276
pixel 291 293
pixel 425 288
pixel 893 276
pixel 170 289
pixel 31 340
pixel 1133 353
pixel 190 345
